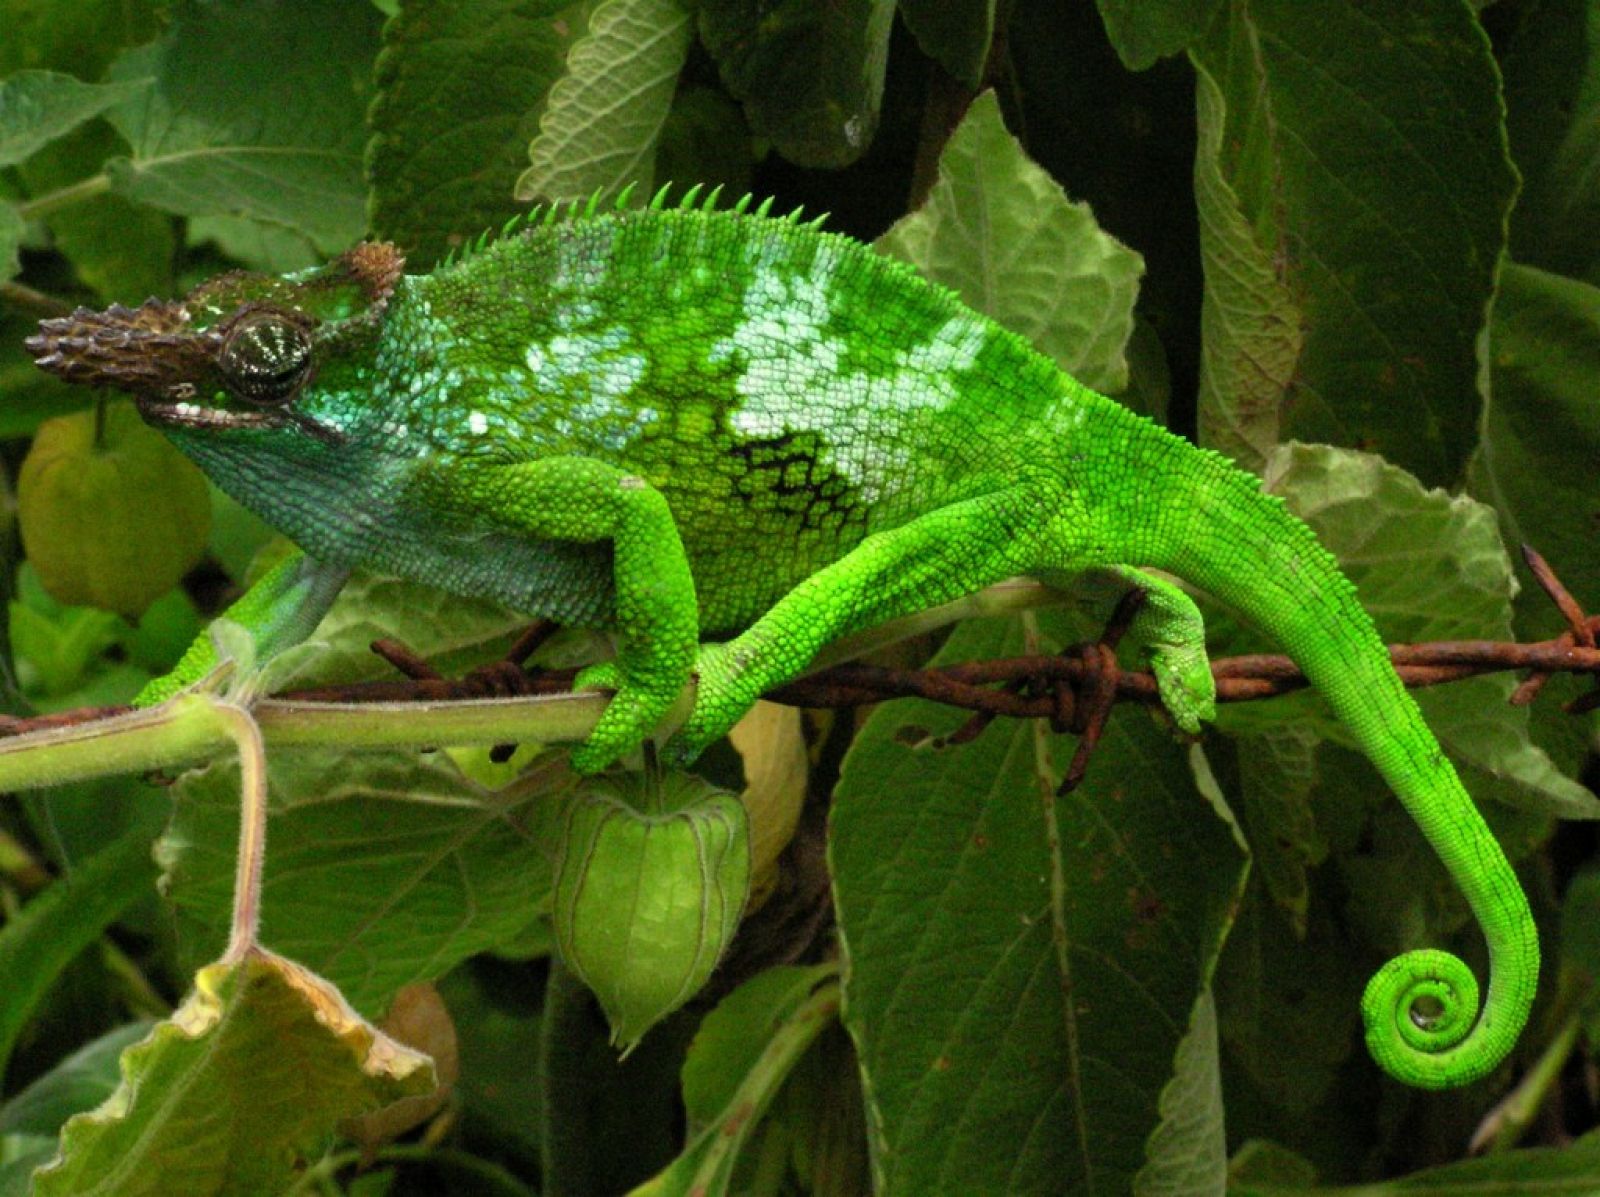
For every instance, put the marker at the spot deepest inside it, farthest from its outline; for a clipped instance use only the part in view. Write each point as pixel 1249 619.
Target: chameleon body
pixel 682 423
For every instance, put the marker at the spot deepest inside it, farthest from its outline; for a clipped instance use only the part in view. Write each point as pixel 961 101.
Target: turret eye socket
pixel 266 359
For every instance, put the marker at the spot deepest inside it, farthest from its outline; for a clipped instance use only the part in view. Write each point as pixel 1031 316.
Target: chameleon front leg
pixel 656 620
pixel 281 609
pixel 1171 635
pixel 941 556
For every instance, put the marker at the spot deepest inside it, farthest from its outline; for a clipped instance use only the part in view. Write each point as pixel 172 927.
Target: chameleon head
pixel 236 352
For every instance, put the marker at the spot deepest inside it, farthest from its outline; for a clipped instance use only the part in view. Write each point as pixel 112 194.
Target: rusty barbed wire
pixel 1074 689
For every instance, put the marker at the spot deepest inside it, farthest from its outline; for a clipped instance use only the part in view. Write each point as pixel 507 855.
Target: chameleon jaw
pixel 180 413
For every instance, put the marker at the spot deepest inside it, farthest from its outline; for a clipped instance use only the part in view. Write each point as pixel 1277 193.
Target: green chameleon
pixel 680 420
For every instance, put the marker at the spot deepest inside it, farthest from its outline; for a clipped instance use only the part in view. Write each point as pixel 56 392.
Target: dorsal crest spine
pixel 695 199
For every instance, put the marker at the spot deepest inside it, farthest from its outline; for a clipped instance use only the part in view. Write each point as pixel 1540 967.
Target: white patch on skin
pixel 478 423
pixel 599 373
pixel 792 380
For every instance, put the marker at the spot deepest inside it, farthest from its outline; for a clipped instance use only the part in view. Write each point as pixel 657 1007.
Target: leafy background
pixel 1353 243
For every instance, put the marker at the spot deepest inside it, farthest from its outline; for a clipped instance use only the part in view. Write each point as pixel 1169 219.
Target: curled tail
pixel 1424 1025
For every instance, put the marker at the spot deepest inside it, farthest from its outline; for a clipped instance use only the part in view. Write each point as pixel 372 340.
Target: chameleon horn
pixel 142 350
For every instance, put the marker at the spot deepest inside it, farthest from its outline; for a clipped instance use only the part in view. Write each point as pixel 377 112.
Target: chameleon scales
pixel 681 420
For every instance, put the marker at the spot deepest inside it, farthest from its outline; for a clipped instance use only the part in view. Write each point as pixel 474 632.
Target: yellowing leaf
pixel 773 746
pixel 245 1079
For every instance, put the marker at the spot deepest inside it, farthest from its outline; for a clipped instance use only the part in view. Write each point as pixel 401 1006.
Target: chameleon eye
pixel 265 359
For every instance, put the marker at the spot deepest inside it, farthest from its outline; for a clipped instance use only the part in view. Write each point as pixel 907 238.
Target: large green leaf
pixel 1002 233
pixel 1251 328
pixel 1551 64
pixel 120 249
pixel 256 109
pixel 1569 1171
pixel 1023 972
pixel 810 75
pixel 957 33
pixel 80 1082
pixel 381 870
pixel 449 631
pixel 59 923
pixel 1541 430
pixel 1364 150
pixel 1145 30
pixel 605 115
pixel 744 1052
pixel 460 88
pixel 248 1077
pixel 77 36
pixel 36 107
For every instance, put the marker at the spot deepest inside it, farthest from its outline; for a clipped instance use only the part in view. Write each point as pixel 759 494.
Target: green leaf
pixel 1541 429
pixel 22 1154
pixel 1003 234
pixel 460 88
pixel 497 1014
pixel 1251 331
pixel 810 75
pixel 36 107
pixel 11 230
pixel 1145 30
pixel 705 139
pixel 591 1101
pixel 77 36
pixel 1187 1151
pixel 83 1080
pixel 732 1037
pixel 1573 1169
pixel 60 922
pixel 1289 1009
pixel 955 33
pixel 1277 774
pixel 1022 970
pixel 269 248
pixel 605 115
pixel 257 109
pixel 708 1161
pixel 383 869
pixel 1580 932
pixel 122 250
pixel 1364 148
pixel 247 1078
pixel 1551 65
pixel 1429 566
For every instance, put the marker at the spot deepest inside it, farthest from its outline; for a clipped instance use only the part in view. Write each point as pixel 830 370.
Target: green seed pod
pixel 112 517
pixel 646 900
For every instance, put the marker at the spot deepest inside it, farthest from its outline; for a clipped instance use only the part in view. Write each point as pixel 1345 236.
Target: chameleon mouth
pixel 180 413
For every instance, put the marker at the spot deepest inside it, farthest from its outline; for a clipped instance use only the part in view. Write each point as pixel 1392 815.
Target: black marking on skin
pixel 802 488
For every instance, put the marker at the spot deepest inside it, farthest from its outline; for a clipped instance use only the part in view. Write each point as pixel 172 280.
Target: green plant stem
pixel 64 197
pixel 1515 1114
pixel 22 296
pixel 252 855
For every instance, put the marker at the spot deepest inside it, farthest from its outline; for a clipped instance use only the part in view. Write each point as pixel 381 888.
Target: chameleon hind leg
pixel 1171 635
pixel 936 558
